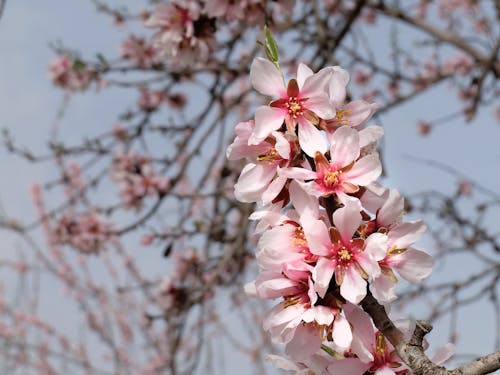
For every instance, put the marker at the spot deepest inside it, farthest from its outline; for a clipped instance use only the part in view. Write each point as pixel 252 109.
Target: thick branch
pixel 412 352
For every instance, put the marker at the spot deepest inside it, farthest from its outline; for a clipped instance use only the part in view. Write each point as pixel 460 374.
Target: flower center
pixel 340 116
pixel 344 254
pixel 270 156
pixel 294 106
pixel 331 178
pixel 299 238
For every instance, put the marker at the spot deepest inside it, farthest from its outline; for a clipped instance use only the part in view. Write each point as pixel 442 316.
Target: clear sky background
pixel 29 103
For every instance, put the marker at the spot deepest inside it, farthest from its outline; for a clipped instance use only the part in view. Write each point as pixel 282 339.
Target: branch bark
pixel 412 351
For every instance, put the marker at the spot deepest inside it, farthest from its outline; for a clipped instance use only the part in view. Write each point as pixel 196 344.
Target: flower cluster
pixel 185 36
pixel 136 178
pixel 70 74
pixel 329 232
pixel 88 232
pixel 139 52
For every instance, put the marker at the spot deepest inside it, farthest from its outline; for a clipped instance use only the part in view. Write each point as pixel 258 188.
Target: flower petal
pixel 303 72
pixel 310 138
pixel 353 287
pixel 414 265
pixel 267 119
pixel 391 210
pixel 342 334
pixel 404 235
pixel 345 146
pixel 266 78
pixel 322 275
pixel 347 220
pixel 273 189
pixel 252 182
pixel 321 106
pixel 365 171
pixel 382 288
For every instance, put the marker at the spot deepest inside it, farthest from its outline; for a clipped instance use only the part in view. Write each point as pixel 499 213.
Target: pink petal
pixel 273 189
pixel 368 265
pixel 322 274
pixel 297 173
pixel 302 201
pixel 316 234
pixel 382 289
pixel 391 210
pixel 370 135
pixel 347 221
pixel 363 332
pixel 342 334
pixel 303 72
pixel 304 343
pixel 282 363
pixel 316 83
pixel 310 138
pixel 280 315
pixel 374 197
pixel 312 188
pixel 266 78
pixel 359 111
pixel 376 246
pixel 321 106
pixel 337 88
pixel 443 354
pixel 282 145
pixel 384 371
pixel 348 366
pixel 414 265
pixel 345 146
pixel 274 285
pixel 404 235
pixel 353 286
pixel 267 119
pixel 252 182
pixel 365 171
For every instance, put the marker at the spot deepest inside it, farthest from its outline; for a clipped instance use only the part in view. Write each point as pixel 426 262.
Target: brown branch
pixel 412 351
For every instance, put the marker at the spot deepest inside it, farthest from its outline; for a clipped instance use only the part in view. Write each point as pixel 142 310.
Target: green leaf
pixel 271 46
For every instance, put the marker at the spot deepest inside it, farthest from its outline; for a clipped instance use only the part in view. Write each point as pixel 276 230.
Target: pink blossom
pixel 351 259
pixel 344 173
pixel 139 52
pixel 87 232
pixel 150 100
pixel 259 181
pixel 304 101
pixel 70 74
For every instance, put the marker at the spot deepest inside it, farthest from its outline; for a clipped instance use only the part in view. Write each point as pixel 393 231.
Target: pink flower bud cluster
pixel 140 52
pixel 136 178
pixel 70 74
pixel 88 232
pixel 186 29
pixel 185 37
pixel 329 233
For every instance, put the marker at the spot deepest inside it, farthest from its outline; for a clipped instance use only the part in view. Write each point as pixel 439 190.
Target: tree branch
pixel 412 351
